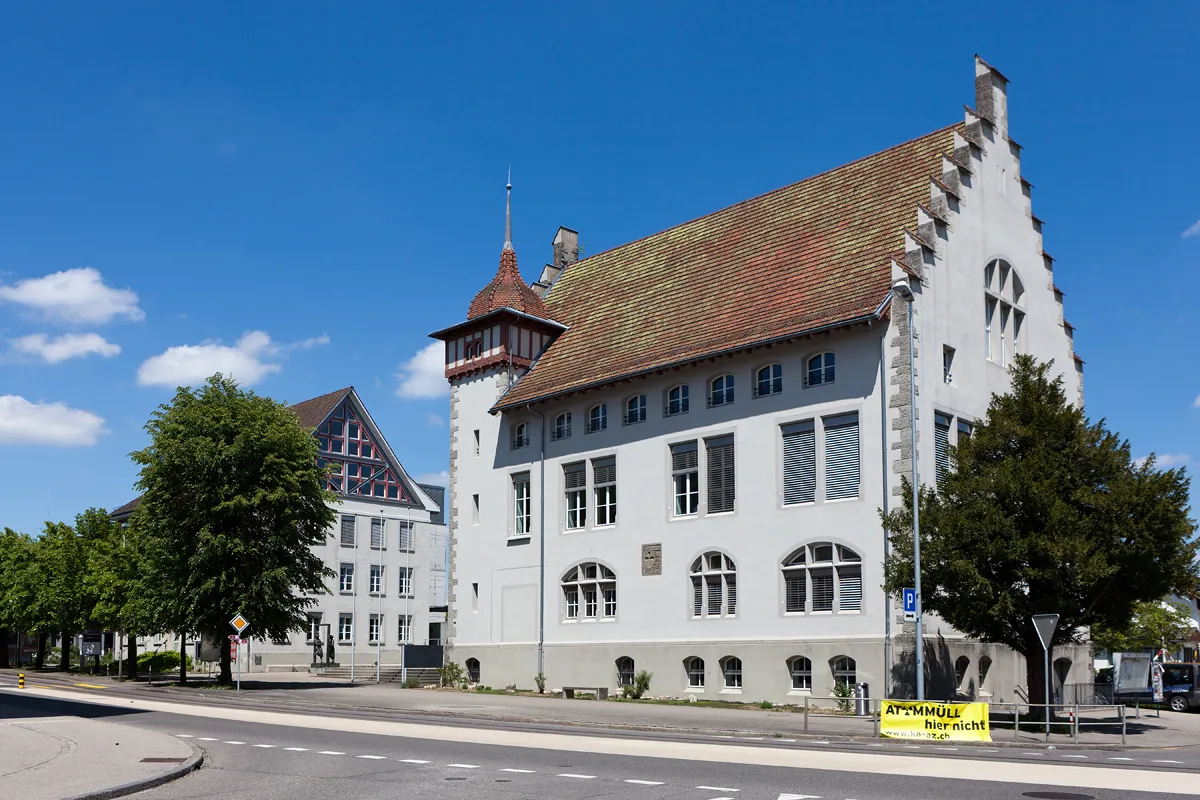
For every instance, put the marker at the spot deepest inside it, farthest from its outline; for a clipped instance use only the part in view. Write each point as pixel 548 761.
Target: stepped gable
pixel 808 257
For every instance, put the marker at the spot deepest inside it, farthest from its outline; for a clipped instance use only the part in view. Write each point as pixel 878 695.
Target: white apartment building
pixel 387 550
pixel 672 455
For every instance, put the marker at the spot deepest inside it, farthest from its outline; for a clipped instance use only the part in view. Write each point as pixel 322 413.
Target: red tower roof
pixel 507 290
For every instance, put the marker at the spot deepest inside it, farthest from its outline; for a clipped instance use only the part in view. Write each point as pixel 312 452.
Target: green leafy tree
pixel 19 598
pixel 63 567
pixel 115 570
pixel 233 501
pixel 1151 626
pixel 1044 513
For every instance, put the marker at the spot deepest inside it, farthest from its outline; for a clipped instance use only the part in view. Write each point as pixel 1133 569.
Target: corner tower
pixel 506 329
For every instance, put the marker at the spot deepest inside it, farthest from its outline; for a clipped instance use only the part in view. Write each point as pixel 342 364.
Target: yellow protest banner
pixel 908 719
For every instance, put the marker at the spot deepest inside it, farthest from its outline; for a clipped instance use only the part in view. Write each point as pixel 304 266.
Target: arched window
pixel 720 390
pixel 844 670
pixel 1004 316
pixel 677 400
pixel 821 370
pixel 624 671
pixel 801 672
pixel 985 664
pixel 961 665
pixel 731 671
pixel 589 592
pixel 822 577
pixel 714 586
pixel 635 409
pixel 597 418
pixel 694 667
pixel 520 435
pixel 562 426
pixel 473 670
pixel 768 380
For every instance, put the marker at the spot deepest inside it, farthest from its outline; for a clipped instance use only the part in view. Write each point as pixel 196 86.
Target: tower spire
pixel 508 213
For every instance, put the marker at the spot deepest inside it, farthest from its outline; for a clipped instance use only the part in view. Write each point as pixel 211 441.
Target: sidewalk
pixel 299 691
pixel 49 758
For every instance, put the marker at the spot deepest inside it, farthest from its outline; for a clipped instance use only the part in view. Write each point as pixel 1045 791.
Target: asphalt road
pixel 249 759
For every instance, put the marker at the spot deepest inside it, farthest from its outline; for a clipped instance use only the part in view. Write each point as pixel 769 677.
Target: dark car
pixel 1179 686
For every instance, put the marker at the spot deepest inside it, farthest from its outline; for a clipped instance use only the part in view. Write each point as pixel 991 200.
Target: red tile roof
pixel 507 290
pixel 312 412
pixel 127 509
pixel 808 256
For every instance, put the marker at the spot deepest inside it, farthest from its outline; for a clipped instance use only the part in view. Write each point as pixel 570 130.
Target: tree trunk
pixel 64 663
pixel 183 658
pixel 40 659
pixel 226 672
pixel 131 656
pixel 4 648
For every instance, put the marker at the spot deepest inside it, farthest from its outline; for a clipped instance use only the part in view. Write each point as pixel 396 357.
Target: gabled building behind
pixel 671 455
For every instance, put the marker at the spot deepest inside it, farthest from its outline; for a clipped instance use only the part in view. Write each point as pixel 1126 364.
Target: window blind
pixel 348 531
pixel 941 447
pixel 795 590
pixel 841 457
pixel 850 586
pixel 377 533
pixel 720 474
pixel 799 463
pixel 574 476
pixel 822 590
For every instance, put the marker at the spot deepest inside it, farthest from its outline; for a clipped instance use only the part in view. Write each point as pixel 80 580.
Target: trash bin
pixel 862 699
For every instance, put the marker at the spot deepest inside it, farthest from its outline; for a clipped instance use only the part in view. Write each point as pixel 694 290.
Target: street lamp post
pixel 903 291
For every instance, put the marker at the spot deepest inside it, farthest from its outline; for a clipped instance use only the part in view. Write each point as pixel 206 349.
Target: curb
pixel 186 768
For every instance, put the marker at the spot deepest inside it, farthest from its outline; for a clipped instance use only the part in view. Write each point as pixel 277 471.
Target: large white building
pixel 672 455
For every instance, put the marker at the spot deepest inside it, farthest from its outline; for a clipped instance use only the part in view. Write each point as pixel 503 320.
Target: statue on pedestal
pixel 329 651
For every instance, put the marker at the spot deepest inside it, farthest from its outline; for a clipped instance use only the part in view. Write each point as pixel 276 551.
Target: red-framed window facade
pixel 359 467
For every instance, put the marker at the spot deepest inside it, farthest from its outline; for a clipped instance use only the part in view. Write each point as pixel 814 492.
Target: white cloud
pixel 434 420
pixel 1194 230
pixel 436 478
pixel 74 296
pixel 1165 460
pixel 315 341
pixel 186 365
pixel 70 345
pixel 424 375
pixel 56 424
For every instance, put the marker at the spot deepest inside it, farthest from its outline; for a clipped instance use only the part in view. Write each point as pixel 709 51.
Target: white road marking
pixel 911 746
pixel 297 749
pixel 1033 754
pixel 1074 756
pixel 464 766
pixel 208 739
pixel 788 741
pixel 753 738
pixel 574 775
pixel 264 746
pixel 718 789
pixel 329 753
pixel 820 742
pixel 412 761
pixel 519 771
pixel 1166 761
pixel 374 758
pixel 643 783
pixel 1120 758
pixel 184 736
pixel 947 748
pixel 232 742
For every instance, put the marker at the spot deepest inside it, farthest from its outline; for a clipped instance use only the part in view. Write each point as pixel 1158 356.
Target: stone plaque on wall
pixel 652 559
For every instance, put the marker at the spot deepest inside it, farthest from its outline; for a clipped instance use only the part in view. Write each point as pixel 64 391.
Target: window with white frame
pixel 844 670
pixel 720 391
pixel 947 364
pixel 694 667
pixel 714 586
pixel 374 629
pixel 575 489
pixel 406 536
pixel 822 577
pixel 941 446
pixel 314 626
pixel 376 581
pixel 520 435
pixel 347 531
pixel 964 429
pixel 721 494
pixel 625 671
pixel 635 409
pixel 685 478
pixel 597 418
pixel 731 671
pixel 1003 292
pixel 799 462
pixel 604 480
pixel 589 592
pixel 768 380
pixel 522 508
pixel 404 629
pixel 405 575
pixel 562 426
pixel 841 456
pixel 677 400
pixel 800 669
pixel 378 539
pixel 345 627
pixel 477 441
pixel 346 578
pixel 822 369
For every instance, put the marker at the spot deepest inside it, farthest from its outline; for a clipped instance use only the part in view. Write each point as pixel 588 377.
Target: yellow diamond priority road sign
pixel 239 623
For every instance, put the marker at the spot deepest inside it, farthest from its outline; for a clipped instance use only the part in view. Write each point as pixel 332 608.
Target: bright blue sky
pixel 336 170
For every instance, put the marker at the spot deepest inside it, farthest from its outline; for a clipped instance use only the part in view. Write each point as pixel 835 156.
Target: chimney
pixel 991 95
pixel 566 247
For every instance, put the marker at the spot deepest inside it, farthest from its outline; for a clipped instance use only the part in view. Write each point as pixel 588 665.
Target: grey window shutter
pixel 941 446
pixel 841 457
pixel 348 531
pixel 796 590
pixel 730 594
pixel 684 456
pixel 799 463
pixel 574 476
pixel 822 590
pixel 720 474
pixel 377 533
pixel 850 586
pixel 697 596
pixel 604 470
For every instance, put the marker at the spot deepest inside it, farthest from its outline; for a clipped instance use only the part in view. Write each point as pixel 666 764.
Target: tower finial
pixel 508 212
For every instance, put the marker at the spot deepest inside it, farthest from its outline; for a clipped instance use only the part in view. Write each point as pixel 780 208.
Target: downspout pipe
pixel 887 546
pixel 541 646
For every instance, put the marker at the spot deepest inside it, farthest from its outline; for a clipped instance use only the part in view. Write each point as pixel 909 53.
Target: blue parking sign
pixel 910 604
